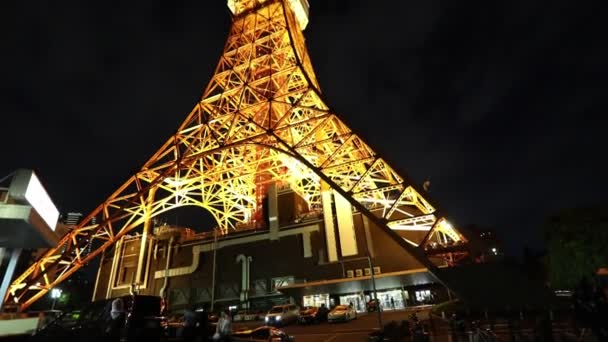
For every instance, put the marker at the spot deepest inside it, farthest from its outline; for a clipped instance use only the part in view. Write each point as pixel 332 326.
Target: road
pixel 355 330
pixel 359 329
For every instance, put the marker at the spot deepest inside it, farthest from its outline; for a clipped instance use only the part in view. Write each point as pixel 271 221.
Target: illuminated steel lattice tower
pixel 261 118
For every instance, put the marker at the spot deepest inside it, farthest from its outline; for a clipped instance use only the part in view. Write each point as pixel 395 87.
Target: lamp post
pixel 373 279
pixel 371 267
pixel 55 294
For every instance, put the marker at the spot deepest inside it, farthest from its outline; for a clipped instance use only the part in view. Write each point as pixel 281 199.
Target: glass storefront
pixel 316 300
pixel 391 299
pixel 356 299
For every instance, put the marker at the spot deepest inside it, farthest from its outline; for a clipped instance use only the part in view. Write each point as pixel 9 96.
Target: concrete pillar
pixel 307 246
pixel 273 212
pixel 346 226
pixel 8 275
pixel 368 237
pixel 243 260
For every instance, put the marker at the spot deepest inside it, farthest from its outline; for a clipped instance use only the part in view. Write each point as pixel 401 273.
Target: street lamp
pixel 55 293
pixel 373 279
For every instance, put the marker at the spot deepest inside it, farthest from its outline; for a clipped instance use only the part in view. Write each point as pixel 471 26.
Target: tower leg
pixel 144 239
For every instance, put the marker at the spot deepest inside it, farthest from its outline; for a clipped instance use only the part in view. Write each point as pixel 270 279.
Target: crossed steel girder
pixel 262 113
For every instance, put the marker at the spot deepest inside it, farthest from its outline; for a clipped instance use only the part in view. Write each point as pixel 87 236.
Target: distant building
pixel 492 247
pixel 71 219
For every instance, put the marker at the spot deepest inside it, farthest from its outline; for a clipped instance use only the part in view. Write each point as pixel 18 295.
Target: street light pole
pixel 371 268
pixel 55 293
pixel 373 278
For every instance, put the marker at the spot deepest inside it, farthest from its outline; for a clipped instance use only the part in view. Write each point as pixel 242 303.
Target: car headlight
pixel 266 319
pixel 278 318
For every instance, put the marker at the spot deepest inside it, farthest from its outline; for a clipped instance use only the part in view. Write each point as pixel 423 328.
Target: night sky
pixel 501 105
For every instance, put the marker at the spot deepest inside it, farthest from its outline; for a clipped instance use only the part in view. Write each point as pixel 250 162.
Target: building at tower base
pixel 299 255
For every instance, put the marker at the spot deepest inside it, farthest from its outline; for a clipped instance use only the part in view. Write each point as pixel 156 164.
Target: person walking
pixel 223 330
pixel 117 319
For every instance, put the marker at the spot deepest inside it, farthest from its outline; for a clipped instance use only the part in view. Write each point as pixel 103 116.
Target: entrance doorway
pixel 391 299
pixel 356 299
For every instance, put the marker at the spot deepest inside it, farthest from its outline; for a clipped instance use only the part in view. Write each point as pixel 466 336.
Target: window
pixel 282 281
pixel 316 300
pixel 126 275
pixel 123 279
pixel 276 309
pixel 423 295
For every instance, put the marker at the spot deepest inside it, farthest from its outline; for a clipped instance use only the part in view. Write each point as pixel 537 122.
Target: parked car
pixel 244 315
pixel 372 305
pixel 342 313
pixel 142 322
pixel 282 315
pixel 263 333
pixel 308 315
pixel 214 317
pixel 173 325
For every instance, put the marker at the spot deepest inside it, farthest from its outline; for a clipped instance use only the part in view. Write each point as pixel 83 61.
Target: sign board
pixel 26 189
pixel 28 217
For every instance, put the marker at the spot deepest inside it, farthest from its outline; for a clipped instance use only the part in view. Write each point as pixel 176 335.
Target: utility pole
pixel 371 268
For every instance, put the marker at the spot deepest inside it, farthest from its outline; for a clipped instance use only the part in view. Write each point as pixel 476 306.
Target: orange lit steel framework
pixel 261 114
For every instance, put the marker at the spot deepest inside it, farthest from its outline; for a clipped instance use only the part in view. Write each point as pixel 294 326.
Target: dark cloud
pixel 501 105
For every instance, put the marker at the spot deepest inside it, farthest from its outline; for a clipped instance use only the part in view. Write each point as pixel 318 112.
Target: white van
pixel 282 314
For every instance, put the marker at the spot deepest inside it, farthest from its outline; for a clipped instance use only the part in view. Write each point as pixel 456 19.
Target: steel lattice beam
pixel 262 112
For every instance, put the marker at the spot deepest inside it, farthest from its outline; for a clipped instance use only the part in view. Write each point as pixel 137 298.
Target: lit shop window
pixel 316 300
pixel 281 281
pixel 423 295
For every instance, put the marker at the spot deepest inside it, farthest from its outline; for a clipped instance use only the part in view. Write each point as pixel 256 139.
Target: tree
pixel 577 241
